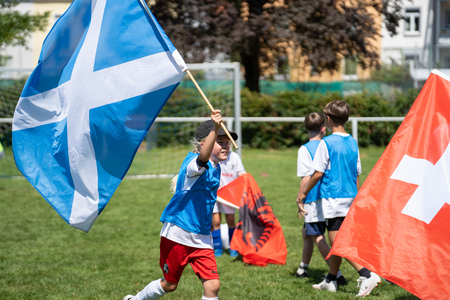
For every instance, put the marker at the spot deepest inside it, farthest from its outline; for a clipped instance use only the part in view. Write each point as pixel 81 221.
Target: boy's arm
pixel 208 145
pixel 301 208
pixel 315 178
pixel 357 183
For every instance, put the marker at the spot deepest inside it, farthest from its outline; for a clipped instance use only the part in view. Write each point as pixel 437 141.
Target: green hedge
pixel 299 104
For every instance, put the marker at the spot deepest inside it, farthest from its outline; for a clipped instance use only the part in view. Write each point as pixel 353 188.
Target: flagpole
pixel 212 108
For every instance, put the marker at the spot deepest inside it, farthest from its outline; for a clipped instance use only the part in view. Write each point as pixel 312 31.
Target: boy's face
pixel 221 148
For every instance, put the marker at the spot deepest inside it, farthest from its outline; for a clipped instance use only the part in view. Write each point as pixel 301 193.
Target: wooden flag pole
pixel 212 108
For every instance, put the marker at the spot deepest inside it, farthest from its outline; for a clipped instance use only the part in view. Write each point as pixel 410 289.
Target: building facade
pixel 423 39
pixel 19 57
pixel 423 42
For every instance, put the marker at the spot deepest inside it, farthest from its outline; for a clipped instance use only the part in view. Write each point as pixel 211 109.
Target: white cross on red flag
pixel 399 223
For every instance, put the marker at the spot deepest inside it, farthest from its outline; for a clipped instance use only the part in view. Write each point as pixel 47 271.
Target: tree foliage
pixel 256 31
pixel 16 28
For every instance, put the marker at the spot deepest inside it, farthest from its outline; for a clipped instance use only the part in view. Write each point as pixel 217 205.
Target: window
pixel 57 16
pixel 282 65
pixel 5 61
pixel 446 62
pixel 447 18
pixel 412 21
pixel 414 57
pixel 350 66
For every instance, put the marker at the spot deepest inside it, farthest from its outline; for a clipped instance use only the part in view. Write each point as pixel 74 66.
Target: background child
pixel 231 168
pixel 337 163
pixel 186 233
pixel 314 226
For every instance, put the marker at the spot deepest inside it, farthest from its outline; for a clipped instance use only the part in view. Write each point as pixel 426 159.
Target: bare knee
pixel 216 220
pixel 230 220
pixel 211 287
pixel 168 287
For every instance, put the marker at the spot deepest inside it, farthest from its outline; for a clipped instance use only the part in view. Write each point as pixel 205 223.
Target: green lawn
pixel 41 257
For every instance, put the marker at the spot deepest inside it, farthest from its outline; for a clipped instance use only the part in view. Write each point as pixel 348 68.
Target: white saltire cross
pixel 86 90
pixel 433 182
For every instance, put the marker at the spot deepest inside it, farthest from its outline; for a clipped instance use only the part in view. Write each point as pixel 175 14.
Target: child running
pixel 337 164
pixel 311 209
pixel 186 232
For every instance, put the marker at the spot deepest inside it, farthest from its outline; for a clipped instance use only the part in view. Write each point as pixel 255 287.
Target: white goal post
pixel 236 67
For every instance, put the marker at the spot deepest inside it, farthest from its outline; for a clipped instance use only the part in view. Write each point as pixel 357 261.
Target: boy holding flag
pixel 187 219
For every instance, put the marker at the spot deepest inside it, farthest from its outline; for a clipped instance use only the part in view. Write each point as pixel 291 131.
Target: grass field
pixel 41 257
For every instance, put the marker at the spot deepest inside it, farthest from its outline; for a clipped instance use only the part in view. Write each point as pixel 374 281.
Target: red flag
pixel 399 223
pixel 258 236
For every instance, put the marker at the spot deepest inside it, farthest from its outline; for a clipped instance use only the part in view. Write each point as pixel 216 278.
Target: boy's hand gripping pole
pixel 210 106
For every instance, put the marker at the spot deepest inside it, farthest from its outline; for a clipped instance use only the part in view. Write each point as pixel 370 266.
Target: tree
pixel 256 31
pixel 16 28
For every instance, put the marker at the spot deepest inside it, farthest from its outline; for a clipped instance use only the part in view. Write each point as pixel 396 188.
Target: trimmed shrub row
pixel 299 104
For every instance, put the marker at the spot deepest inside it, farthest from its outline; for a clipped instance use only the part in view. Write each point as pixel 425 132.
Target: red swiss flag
pixel 399 223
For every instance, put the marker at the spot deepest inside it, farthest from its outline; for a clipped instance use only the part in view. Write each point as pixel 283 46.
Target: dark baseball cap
pixel 206 127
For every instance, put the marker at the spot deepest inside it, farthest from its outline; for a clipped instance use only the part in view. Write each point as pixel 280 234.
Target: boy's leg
pixel 217 240
pixel 367 280
pixel 216 219
pixel 322 245
pixel 154 290
pixel 210 288
pixel 204 264
pixel 330 282
pixel 231 222
pixel 324 249
pixel 308 248
pixel 335 261
pixel 172 260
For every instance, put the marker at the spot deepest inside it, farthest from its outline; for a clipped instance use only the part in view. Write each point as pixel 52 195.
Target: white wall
pixel 27 57
pixel 20 56
pixel 404 43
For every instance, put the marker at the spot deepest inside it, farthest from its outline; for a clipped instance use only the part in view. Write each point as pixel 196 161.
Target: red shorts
pixel 174 258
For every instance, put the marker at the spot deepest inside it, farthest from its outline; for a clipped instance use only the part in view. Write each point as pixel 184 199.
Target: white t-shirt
pixel 304 163
pixel 333 207
pixel 230 168
pixel 177 234
pixel 304 168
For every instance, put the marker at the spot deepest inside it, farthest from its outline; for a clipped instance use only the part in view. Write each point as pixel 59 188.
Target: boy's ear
pixel 323 129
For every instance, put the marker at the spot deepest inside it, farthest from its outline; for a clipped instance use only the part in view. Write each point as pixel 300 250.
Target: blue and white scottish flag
pixel 105 71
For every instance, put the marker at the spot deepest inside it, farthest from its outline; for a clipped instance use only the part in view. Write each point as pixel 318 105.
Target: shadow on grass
pixel 314 275
pixel 407 297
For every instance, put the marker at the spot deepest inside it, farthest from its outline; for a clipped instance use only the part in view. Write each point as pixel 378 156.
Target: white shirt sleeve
pixel 194 170
pixel 321 160
pixel 304 162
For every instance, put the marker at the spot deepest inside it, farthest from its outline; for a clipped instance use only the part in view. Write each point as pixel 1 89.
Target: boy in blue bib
pixel 311 208
pixel 337 164
pixel 186 232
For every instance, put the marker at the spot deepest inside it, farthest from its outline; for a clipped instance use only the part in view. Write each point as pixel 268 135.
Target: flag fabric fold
pixel 398 223
pixel 258 236
pixel 105 71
